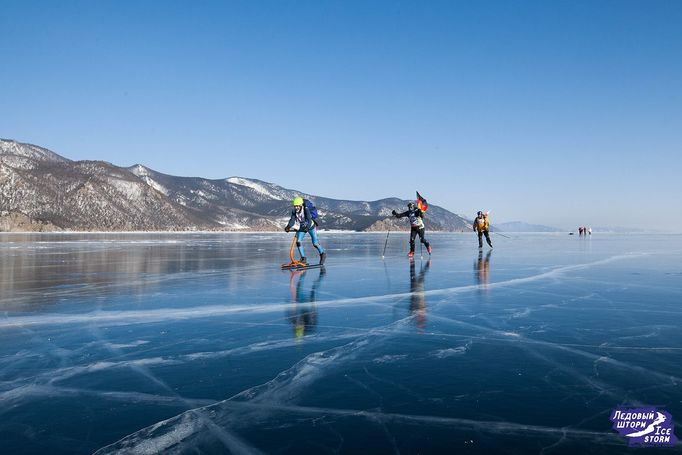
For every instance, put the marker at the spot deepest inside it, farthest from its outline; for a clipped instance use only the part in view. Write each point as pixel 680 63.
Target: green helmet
pixel 297 201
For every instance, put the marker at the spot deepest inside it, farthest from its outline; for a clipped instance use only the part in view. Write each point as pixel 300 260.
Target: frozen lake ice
pixel 199 343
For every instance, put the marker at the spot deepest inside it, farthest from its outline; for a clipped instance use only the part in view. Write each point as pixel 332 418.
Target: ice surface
pixel 199 343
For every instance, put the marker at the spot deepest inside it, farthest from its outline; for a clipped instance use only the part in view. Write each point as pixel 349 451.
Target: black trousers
pixel 487 238
pixel 413 234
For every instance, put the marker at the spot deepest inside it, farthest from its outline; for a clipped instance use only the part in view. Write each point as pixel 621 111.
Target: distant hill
pixel 520 226
pixel 40 190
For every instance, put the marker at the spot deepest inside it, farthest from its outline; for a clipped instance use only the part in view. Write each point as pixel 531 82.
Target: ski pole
pixel 385 243
pixel 502 235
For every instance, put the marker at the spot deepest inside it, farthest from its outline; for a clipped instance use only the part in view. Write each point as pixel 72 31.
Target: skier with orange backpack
pixel 482 227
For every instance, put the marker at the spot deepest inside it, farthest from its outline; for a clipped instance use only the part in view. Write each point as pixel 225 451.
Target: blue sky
pixel 555 112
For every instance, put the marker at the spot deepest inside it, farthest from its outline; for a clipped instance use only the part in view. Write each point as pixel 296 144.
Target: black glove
pixel 394 213
pixel 287 229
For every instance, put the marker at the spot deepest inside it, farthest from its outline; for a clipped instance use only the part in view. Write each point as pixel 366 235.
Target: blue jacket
pixel 306 222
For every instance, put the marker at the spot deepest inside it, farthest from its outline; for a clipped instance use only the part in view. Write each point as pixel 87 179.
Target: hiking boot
pixel 323 256
pixel 428 248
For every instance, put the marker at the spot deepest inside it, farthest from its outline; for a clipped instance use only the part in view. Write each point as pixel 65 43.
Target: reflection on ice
pixel 200 344
pixel 303 312
pixel 417 294
pixel 482 269
pixel 167 314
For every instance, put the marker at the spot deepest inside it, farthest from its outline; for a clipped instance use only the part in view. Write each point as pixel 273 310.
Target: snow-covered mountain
pixel 26 156
pixel 40 190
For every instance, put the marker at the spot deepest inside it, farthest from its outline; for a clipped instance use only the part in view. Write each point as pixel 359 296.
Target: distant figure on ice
pixel 482 227
pixel 589 230
pixel 302 214
pixel 415 214
pixel 580 231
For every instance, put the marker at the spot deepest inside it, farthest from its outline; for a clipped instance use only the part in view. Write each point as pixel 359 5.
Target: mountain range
pixel 43 191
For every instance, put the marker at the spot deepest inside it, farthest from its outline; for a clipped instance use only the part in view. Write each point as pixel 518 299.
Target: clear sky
pixel 559 112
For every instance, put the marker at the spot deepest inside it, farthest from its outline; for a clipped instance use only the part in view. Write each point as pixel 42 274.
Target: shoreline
pixel 246 232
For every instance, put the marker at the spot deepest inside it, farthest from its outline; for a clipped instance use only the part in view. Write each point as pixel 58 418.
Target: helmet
pixel 479 213
pixel 410 205
pixel 297 201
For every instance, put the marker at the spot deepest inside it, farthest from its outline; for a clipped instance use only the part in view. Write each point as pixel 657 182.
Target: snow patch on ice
pixel 450 352
pixel 133 344
pixel 390 358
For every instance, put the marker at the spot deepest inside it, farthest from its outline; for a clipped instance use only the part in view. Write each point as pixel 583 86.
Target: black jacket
pixel 415 215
